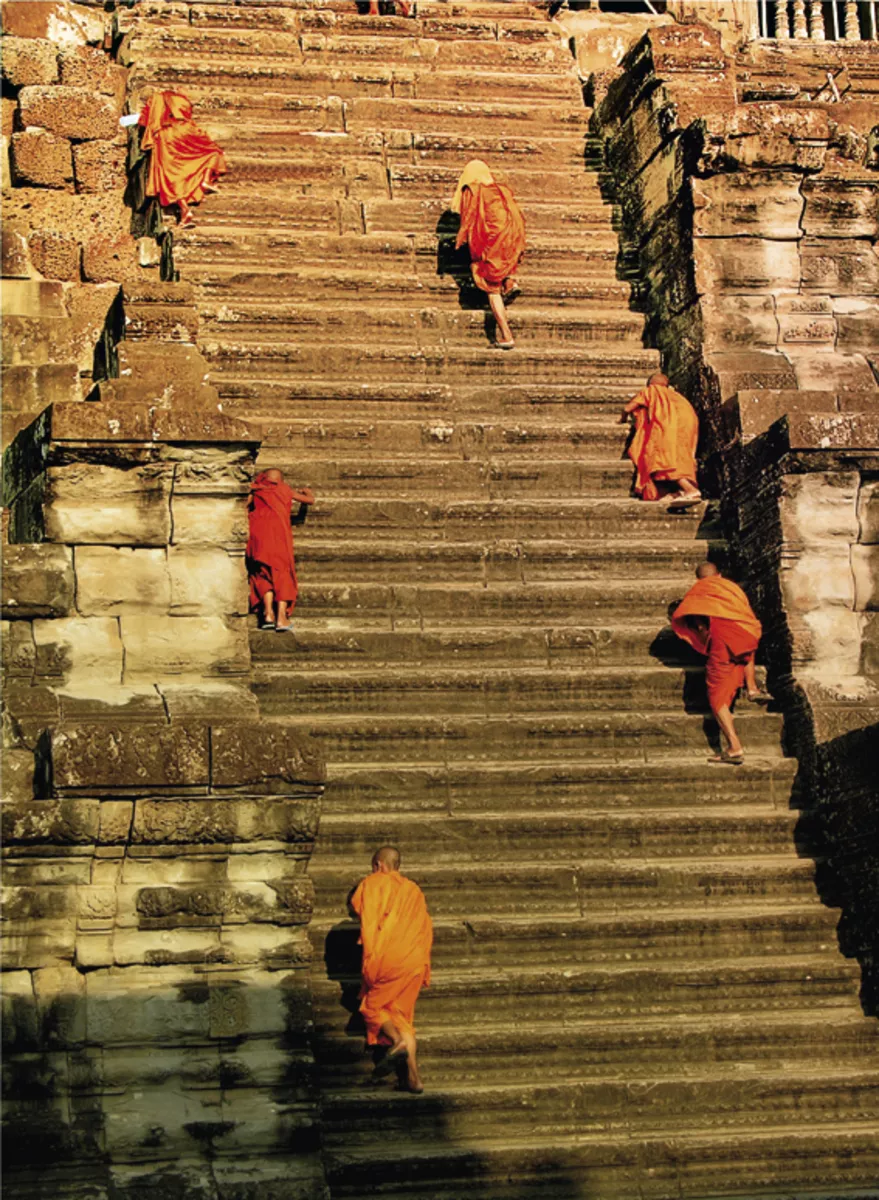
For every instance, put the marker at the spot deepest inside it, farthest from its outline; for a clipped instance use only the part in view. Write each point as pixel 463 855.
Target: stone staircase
pixel 636 989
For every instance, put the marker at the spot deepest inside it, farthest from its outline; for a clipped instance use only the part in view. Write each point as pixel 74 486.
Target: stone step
pixel 284 73
pixel 480 838
pixel 422 215
pixel 416 327
pixel 480 690
pixel 454 521
pixel 479 360
pixel 626 1048
pixel 689 1165
pixel 377 413
pixel 572 786
pixel 534 995
pixel 620 737
pixel 491 478
pixel 530 561
pixel 421 605
pixel 772 929
pixel 721 1093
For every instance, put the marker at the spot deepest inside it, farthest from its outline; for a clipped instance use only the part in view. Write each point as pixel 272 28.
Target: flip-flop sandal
pixel 505 345
pixel 283 629
pixel 510 296
pixel 685 501
pixel 731 760
pixel 760 698
pixel 268 625
pixel 389 1064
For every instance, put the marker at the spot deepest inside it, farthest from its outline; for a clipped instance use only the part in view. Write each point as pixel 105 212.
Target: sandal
pixel 681 501
pixel 267 625
pixel 283 629
pixel 759 697
pixel 504 345
pixel 732 760
pixel 510 296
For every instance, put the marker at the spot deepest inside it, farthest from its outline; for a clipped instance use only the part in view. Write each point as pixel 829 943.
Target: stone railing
pixel 156 983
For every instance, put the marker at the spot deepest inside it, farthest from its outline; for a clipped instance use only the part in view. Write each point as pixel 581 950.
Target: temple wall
pixel 156 842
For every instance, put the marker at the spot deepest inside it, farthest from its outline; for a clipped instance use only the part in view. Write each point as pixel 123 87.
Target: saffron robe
pixel 663 447
pixel 396 934
pixel 269 553
pixel 732 640
pixel 183 156
pixel 493 227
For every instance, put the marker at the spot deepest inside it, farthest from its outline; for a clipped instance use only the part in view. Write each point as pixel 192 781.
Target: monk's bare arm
pixel 631 407
pixel 303 495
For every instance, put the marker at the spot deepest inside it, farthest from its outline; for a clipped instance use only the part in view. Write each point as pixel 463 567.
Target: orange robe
pixel 663 446
pixel 183 156
pixel 396 933
pixel 733 638
pixel 269 553
pixel 494 228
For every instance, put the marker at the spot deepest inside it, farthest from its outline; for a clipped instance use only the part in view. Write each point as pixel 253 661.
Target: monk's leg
pixel 373 8
pixel 723 716
pixel 500 315
pixel 390 1031
pixel 268 607
pixel 283 621
pixel 688 487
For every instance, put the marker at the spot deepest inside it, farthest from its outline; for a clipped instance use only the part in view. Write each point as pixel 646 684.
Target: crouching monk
pixel 663 446
pixel 717 620
pixel 185 162
pixel 396 933
pixel 493 227
pixel 269 554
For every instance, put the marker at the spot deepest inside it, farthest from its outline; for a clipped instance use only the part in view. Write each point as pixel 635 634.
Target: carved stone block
pixel 38 581
pixel 41 159
pixel 70 112
pixel 114 579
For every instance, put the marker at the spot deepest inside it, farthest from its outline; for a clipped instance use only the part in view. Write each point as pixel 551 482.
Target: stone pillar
pixel 801 29
pixel 156 963
pixel 816 21
pixel 138 515
pixel 782 27
pixel 852 28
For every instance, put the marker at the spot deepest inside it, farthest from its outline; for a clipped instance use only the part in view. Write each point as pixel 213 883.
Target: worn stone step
pixel 455 521
pixel 822 1161
pixel 528 560
pixel 572 888
pixel 418 605
pixel 626 1048
pixel 418 326
pixel 723 1093
pixel 423 215
pixel 489 479
pixel 480 690
pixel 620 737
pixel 538 994
pixel 573 786
pixel 284 73
pixel 641 833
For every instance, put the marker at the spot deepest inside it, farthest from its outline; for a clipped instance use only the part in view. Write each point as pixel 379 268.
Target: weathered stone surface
pixel 86 504
pixel 112 580
pixel 41 159
pixel 19 651
pixel 108 259
pixel 768 206
pixel 15 259
pixel 29 61
pixel 745 263
pixel 55 255
pixel 268 763
pixel 209 520
pixel 868 512
pixel 837 208
pixel 98 167
pixel 843 266
pixel 735 320
pixel 91 67
pixel 857 320
pixel 207 699
pixel 98 758
pixel 865 568
pixel 66 24
pixel 79 650
pixel 820 508
pixel 70 112
pixel 38 581
pixel 183 646
pixel 206 580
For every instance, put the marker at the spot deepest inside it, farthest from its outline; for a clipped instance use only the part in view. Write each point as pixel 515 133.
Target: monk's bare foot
pixel 413 1082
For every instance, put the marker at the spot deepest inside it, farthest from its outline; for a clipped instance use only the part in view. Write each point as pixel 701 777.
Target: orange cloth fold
pixel 269 553
pixel 733 637
pixel 494 228
pixel 183 157
pixel 396 933
pixel 663 447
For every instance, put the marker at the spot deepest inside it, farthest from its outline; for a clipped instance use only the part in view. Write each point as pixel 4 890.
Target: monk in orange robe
pixel 373 8
pixel 493 227
pixel 717 620
pixel 269 554
pixel 396 933
pixel 663 446
pixel 185 163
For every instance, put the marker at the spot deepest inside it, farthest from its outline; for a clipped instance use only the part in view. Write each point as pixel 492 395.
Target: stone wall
pixel 155 989
pixel 750 216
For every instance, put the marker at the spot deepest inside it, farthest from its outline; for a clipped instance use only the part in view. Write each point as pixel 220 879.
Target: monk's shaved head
pixel 658 379
pixel 387 856
pixel 274 475
pixel 706 570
